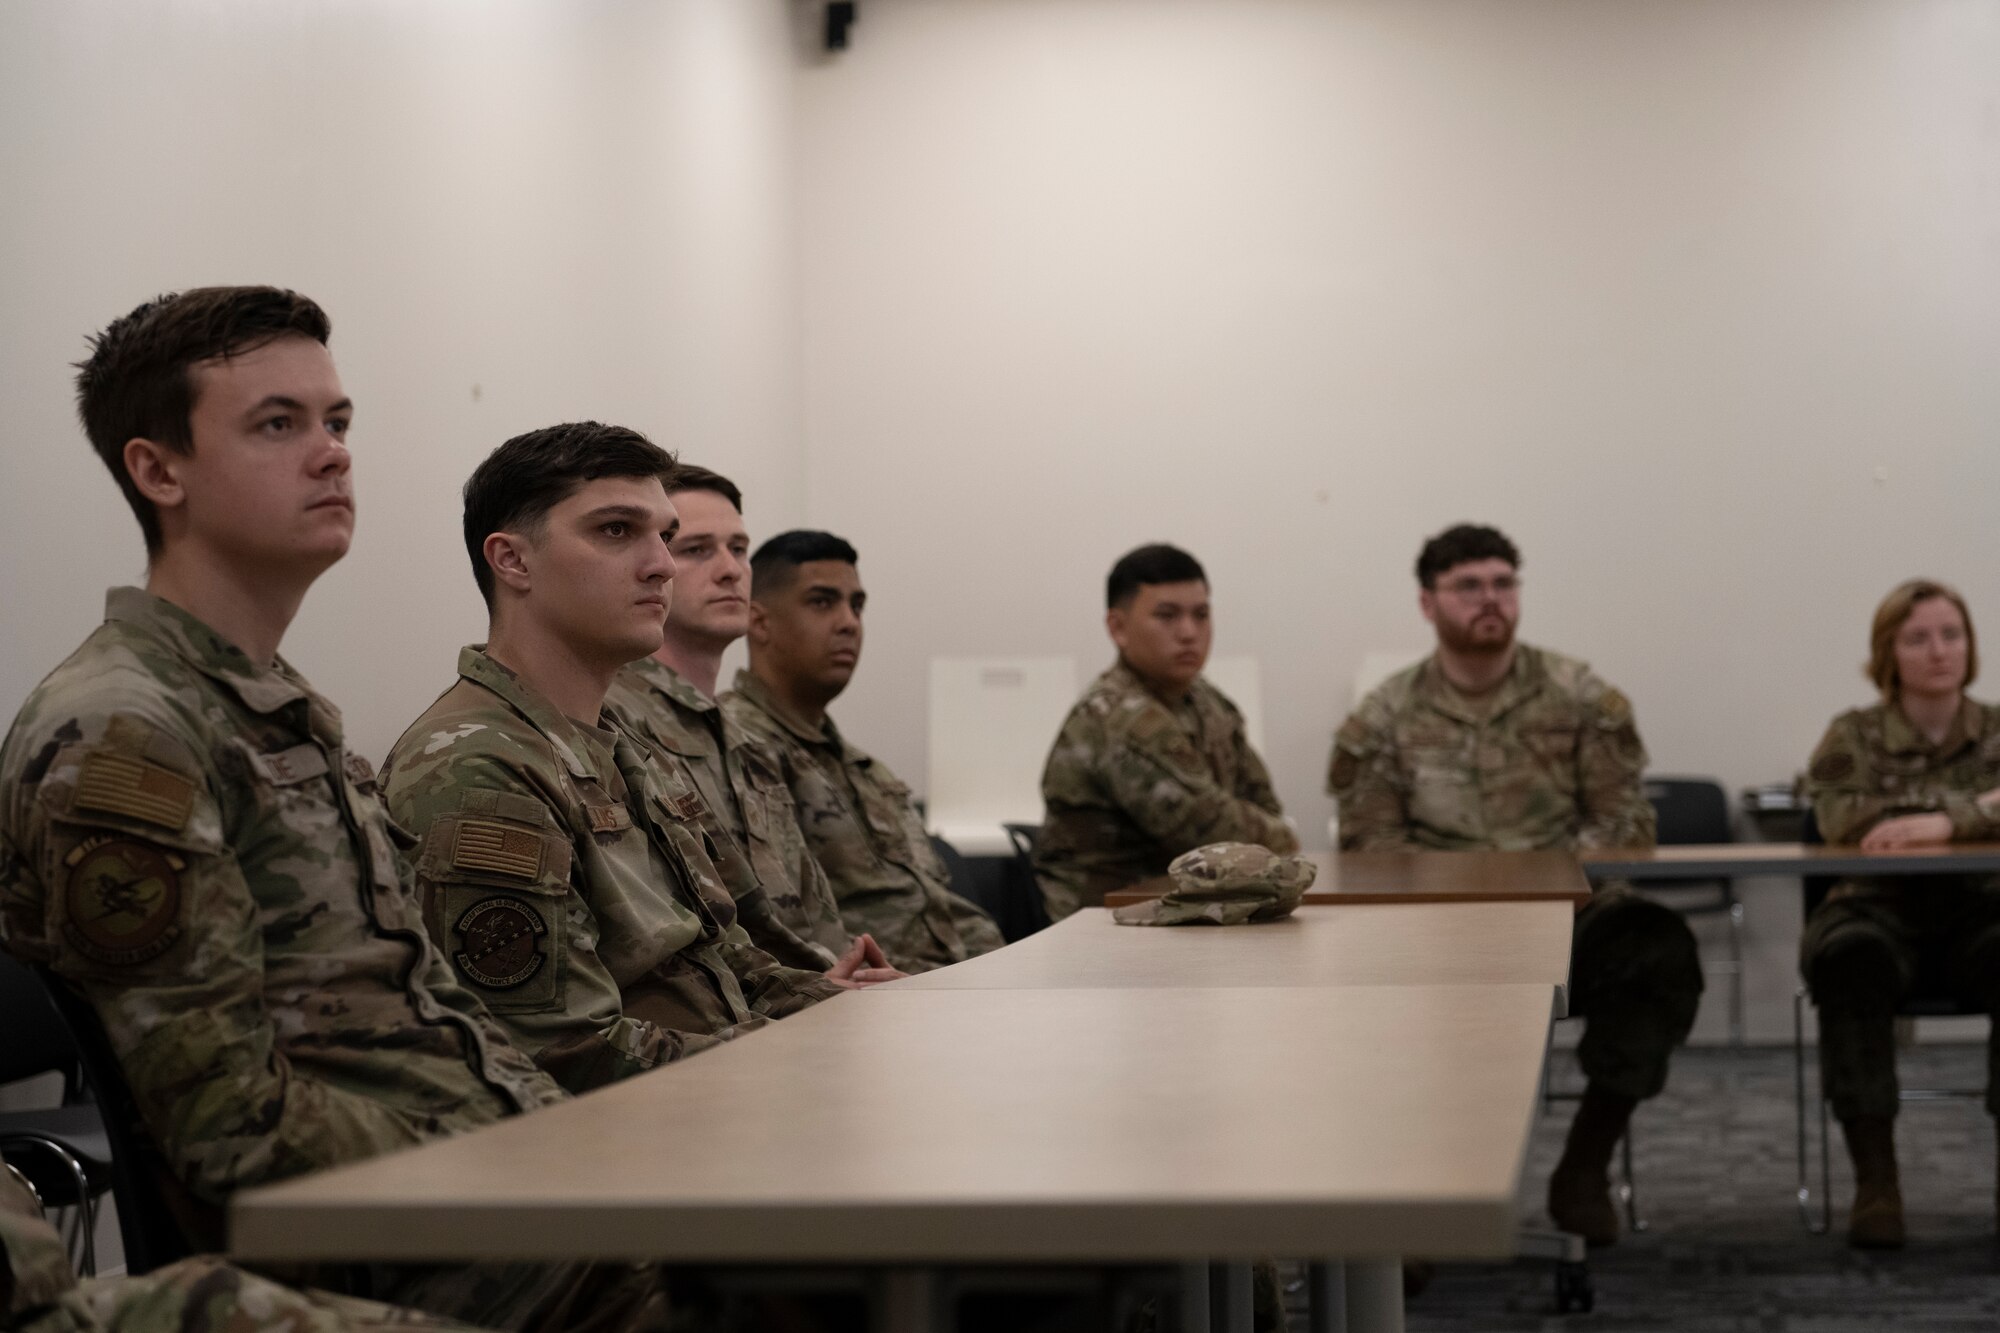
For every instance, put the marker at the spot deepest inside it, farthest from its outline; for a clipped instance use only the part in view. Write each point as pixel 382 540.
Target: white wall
pixel 516 213
pixel 1699 299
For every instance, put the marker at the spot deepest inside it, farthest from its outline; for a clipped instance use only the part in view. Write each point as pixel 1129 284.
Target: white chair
pixel 1243 681
pixel 992 720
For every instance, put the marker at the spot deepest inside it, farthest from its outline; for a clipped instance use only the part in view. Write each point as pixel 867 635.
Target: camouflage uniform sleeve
pixel 496 873
pixel 1362 775
pixel 1611 797
pixel 36 1272
pixel 145 912
pixel 772 988
pixel 759 916
pixel 1842 785
pixel 1253 781
pixel 1154 773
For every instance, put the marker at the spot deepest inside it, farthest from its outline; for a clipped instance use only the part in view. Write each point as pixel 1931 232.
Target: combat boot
pixel 1876 1220
pixel 1580 1189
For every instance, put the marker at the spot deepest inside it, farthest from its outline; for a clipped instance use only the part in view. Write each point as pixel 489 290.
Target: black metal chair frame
pixel 1705 828
pixel 38 1043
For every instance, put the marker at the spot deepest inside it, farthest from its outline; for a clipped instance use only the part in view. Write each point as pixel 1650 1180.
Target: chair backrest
pixel 36 1041
pixel 1690 810
pixel 1813 888
pixel 153 1229
pixel 1242 679
pixel 992 720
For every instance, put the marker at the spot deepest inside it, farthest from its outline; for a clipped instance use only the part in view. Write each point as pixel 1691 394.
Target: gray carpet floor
pixel 1717 1175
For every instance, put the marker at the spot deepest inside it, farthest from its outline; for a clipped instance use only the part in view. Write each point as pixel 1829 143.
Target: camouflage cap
pixel 1225 884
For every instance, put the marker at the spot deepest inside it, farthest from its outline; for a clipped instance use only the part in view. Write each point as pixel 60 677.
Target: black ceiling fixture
pixel 839 18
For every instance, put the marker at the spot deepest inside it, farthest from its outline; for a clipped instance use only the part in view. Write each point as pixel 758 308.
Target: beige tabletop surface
pixel 1095 1125
pixel 1404 944
pixel 1422 877
pixel 1731 859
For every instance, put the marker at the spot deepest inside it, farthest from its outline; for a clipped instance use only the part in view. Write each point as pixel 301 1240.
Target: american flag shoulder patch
pixel 123 784
pixel 497 849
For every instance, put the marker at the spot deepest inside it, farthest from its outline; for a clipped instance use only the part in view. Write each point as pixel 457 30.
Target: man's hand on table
pixel 863 965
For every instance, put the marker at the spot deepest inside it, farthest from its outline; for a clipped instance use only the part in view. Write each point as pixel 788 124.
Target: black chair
pixel 153 1230
pixel 64 1150
pixel 1696 810
pixel 1924 1001
pixel 1033 911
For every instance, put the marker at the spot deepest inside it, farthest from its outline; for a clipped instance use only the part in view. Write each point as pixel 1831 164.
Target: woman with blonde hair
pixel 1920 767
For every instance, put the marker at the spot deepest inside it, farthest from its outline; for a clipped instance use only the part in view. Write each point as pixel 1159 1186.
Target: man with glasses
pixel 1493 745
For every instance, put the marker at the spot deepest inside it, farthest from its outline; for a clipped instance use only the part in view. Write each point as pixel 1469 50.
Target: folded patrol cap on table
pixel 1224 884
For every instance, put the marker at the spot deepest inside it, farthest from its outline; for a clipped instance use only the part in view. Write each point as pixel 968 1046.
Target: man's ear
pixel 155 471
pixel 759 632
pixel 506 556
pixel 1427 602
pixel 1114 625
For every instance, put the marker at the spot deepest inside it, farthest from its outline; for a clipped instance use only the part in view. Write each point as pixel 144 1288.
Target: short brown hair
pixel 691 477
pixel 135 384
pixel 521 481
pixel 1462 544
pixel 1889 618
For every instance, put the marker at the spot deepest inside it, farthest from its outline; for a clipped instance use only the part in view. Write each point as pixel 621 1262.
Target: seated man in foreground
pixel 565 876
pixel 1152 761
pixel 1492 745
pixel 668 701
pixel 859 820
pixel 186 841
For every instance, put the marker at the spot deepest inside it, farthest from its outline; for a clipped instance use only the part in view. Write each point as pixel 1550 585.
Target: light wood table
pixel 1115 1125
pixel 1346 878
pixel 1405 944
pixel 1732 860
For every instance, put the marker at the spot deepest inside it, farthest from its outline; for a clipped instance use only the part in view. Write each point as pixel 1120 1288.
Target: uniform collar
pixel 1524 678
pixel 766 701
pixel 1900 735
pixel 570 742
pixel 262 689
pixel 662 679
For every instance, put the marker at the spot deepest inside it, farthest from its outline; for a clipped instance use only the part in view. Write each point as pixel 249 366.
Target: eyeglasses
pixel 1472 590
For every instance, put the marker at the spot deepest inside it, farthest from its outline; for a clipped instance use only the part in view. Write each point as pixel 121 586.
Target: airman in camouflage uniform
pixel 1152 761
pixel 570 882
pixel 1549 757
pixel 39 1293
pixel 1873 765
pixel 782 897
pixel 1133 781
pixel 862 826
pixel 1873 940
pixel 186 842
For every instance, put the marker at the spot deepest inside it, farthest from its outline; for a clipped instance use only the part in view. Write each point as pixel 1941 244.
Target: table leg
pixel 1326 1298
pixel 1236 1297
pixel 1374 1296
pixel 908 1300
pixel 1193 1317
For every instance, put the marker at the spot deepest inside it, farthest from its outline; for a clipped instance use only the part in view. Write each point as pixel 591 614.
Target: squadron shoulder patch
pixel 1832 767
pixel 500 943
pixel 122 784
pixel 496 848
pixel 122 899
pixel 1346 767
pixel 1614 708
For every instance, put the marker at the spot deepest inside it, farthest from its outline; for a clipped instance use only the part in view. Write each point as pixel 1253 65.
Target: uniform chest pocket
pixel 496 900
pixel 1554 744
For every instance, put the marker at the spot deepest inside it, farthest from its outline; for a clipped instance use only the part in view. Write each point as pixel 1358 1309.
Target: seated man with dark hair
pixel 1490 744
pixel 1152 761
pixel 859 820
pixel 668 701
pixel 188 844
pixel 566 877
